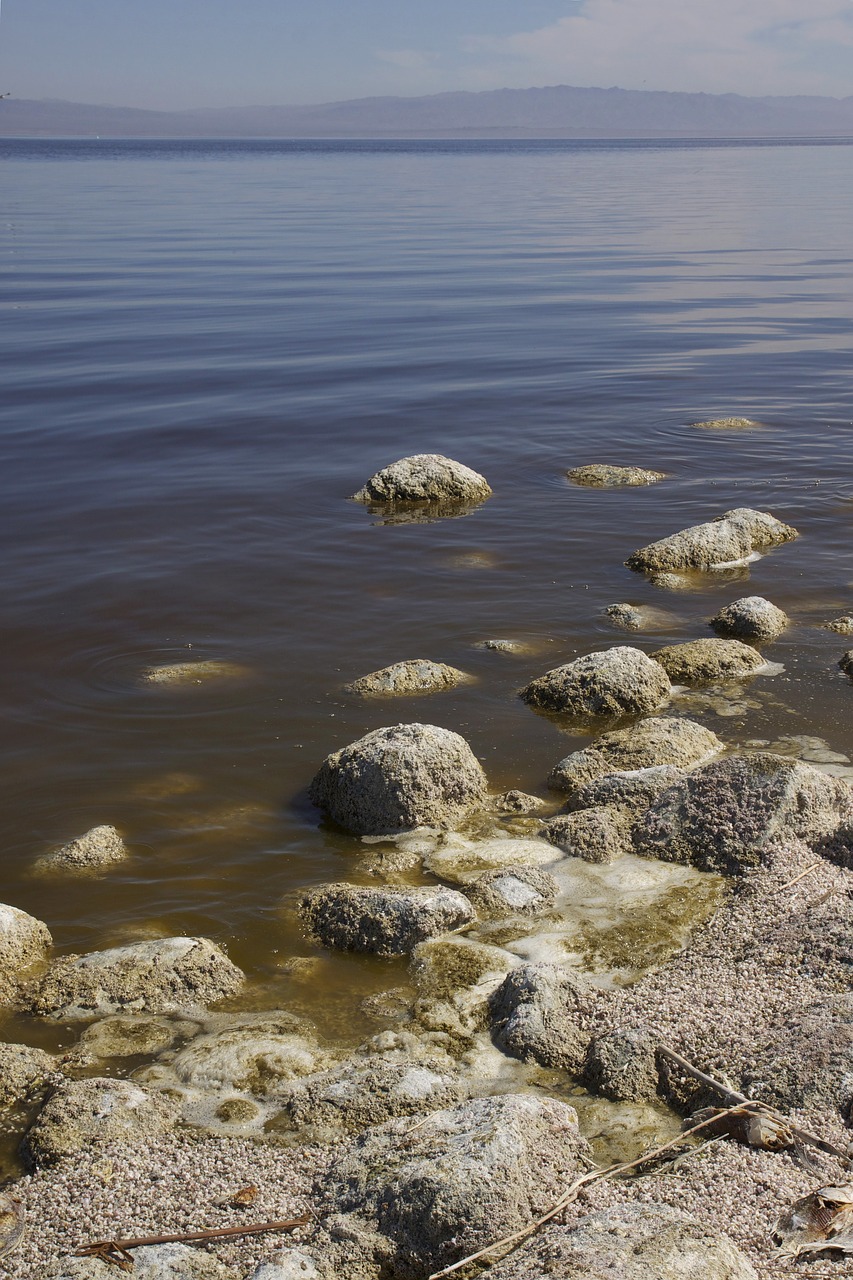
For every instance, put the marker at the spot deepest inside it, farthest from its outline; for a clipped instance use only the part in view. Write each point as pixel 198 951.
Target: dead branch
pixel 116 1251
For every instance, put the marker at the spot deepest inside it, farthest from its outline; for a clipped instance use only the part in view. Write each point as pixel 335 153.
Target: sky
pixel 172 54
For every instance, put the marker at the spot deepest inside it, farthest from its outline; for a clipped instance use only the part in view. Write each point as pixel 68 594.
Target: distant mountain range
pixel 561 111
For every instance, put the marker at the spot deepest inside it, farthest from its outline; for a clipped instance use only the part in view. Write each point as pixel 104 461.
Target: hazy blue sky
pixel 181 53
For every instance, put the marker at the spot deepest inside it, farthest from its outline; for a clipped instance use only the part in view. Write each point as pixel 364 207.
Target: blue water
pixel 208 346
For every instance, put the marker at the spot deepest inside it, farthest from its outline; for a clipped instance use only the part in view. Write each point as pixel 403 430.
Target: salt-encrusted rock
pixel 153 1262
pixel 362 1092
pixel 638 617
pixel 728 424
pixel 418 675
pixel 186 673
pixel 617 682
pixel 442 967
pixel 462 861
pixel 631 789
pixel 24 1073
pixel 521 891
pixel 751 618
pixel 596 835
pixel 543 1013
pixel 24 942
pixel 96 1110
pixel 382 921
pixel 502 646
pixel 288 1264
pixel 632 1242
pixel 724 816
pixel 699 661
pixel 165 975
pixel 804 1060
pixel 99 847
pixel 601 475
pixel 655 741
pixel 731 537
pixel 425 477
pixel 621 1064
pixel 843 625
pixel 515 801
pixel 260 1055
pixel 845 662
pixel 409 1200
pixel 134 1035
pixel 408 775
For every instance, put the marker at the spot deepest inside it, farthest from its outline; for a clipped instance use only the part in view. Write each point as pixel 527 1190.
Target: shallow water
pixel 208 347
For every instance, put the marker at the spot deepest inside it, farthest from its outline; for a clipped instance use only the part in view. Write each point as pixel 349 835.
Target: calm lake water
pixel 209 346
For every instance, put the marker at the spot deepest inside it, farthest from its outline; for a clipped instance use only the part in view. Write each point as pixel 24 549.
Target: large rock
pixel 408 775
pixel 596 835
pixel 24 1073
pixel 620 681
pixel 425 477
pixel 751 618
pixel 546 1014
pixel 166 975
pixel 656 741
pixel 603 475
pixel 731 537
pixel 99 847
pixel 24 942
pixel 150 1262
pixel 701 661
pixel 96 1110
pixel 631 789
pixel 724 816
pixel 261 1055
pixel 382 921
pixel 407 679
pixel 414 1199
pixel 632 1242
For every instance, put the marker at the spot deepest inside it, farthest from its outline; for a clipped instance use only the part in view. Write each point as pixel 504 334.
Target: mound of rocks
pixel 98 847
pixel 394 779
pixel 165 975
pixel 417 675
pixel 706 661
pixel 598 834
pixel 96 1110
pixel 733 536
pixel 601 475
pixel 382 921
pixel 409 1200
pixel 24 942
pixel 617 682
pixel 751 618
pixel 725 815
pixel 659 740
pixel 425 477
pixel 547 1014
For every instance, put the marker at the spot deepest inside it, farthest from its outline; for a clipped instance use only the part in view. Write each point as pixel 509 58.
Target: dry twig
pixel 116 1251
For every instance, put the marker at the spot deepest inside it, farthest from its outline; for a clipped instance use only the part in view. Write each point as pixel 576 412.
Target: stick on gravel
pixel 116 1251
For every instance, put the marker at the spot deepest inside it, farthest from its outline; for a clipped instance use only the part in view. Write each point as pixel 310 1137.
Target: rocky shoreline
pixel 529 1045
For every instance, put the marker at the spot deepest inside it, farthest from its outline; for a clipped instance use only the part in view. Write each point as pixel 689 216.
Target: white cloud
pixel 738 46
pixel 407 59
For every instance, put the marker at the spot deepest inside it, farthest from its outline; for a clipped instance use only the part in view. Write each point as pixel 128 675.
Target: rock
pixel 99 847
pixel 546 1014
pixel 416 676
pixel 288 1264
pixel 186 673
pixel 96 1110
pixel 409 1200
pixel 752 618
pixel 804 1059
pixel 724 816
pixel 363 1092
pixel 442 966
pixel 601 475
pixel 632 1242
pixel 462 861
pixel 639 617
pixel 620 681
pixel 732 537
pixel 382 921
pixel 846 662
pixel 163 976
pixel 394 779
pixel 728 424
pixel 843 625
pixel 151 1262
pixel 502 646
pixel 261 1055
pixel 24 942
pixel 631 789
pixel 655 741
pixel 596 835
pixel 24 1073
pixel 135 1035
pixel 520 891
pixel 425 477
pixel 621 1064
pixel 518 802
pixel 700 661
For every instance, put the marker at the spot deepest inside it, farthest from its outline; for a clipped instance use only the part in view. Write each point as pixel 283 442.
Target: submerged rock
pixel 656 741
pixel 25 1072
pixel 394 779
pixel 24 942
pixel 546 1014
pixel 418 675
pixel 502 646
pixel 598 834
pixel 732 537
pixel 619 681
pixel 99 847
pixel 382 921
pixel 519 891
pixel 260 1055
pixel 168 975
pixel 184 673
pixel 728 424
pixel 463 861
pixel 134 1035
pixel 425 477
pixel 724 816
pixel 843 625
pixel 638 617
pixel 601 475
pixel 701 661
pixel 97 1110
pixel 518 802
pixel 751 618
